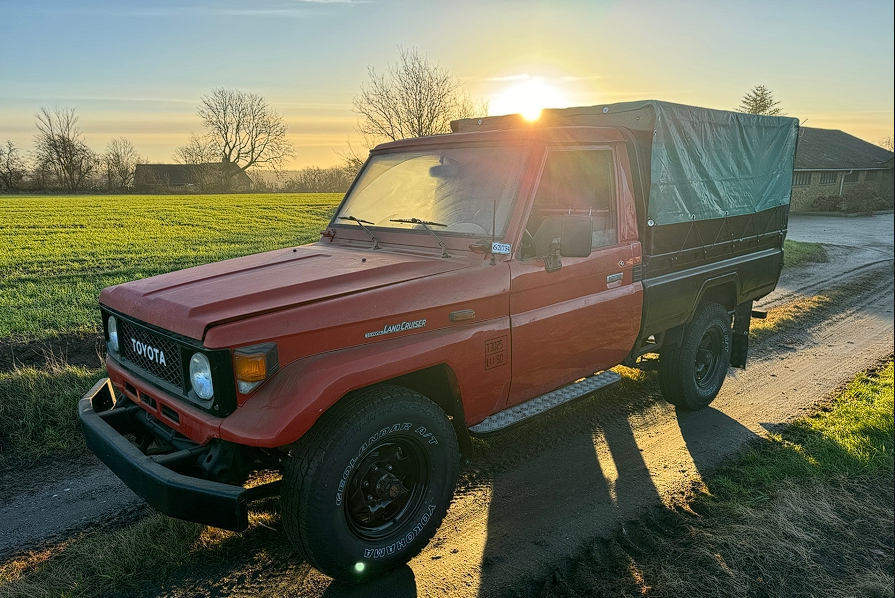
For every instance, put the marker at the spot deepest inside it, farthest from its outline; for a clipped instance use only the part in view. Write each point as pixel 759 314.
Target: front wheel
pixel 691 374
pixel 367 488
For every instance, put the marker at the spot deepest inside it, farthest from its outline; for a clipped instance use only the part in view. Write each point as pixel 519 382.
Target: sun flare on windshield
pixel 528 97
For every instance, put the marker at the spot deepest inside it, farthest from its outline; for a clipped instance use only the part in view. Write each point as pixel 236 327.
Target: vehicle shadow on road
pixel 571 491
pixel 709 435
pixel 585 490
pixel 400 583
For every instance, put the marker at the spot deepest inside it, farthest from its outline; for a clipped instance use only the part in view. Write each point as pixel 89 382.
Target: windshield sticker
pixel 501 248
pixel 390 328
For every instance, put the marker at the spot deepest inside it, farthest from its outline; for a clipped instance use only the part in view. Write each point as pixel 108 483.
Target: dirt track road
pixel 537 496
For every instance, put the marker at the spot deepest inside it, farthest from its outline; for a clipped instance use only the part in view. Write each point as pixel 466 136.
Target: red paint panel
pixel 190 301
pixel 286 407
pixel 193 423
pixel 568 324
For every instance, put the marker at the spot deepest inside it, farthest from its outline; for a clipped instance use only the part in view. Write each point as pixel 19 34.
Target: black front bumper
pixel 175 494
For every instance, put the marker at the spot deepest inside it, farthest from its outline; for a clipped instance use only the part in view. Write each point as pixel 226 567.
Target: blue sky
pixel 138 69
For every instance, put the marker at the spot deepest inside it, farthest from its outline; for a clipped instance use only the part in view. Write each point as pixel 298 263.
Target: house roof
pixel 175 175
pixel 829 149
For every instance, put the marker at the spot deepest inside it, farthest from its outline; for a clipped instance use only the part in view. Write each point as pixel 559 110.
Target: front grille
pixel 152 353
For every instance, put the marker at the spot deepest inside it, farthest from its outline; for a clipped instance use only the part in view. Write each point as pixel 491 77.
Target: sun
pixel 528 97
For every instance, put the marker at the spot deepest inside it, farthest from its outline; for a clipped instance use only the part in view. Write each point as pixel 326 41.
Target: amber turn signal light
pixel 250 368
pixel 254 364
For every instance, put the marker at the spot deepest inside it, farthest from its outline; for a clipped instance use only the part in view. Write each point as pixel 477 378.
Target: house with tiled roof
pixel 833 163
pixel 167 178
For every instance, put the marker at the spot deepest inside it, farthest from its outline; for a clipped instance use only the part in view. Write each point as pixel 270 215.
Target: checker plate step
pixel 545 402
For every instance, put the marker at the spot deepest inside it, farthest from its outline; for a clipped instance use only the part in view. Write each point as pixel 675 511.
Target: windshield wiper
pixel 361 223
pixel 426 224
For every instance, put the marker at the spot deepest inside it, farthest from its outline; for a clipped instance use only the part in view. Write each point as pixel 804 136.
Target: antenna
pixel 493 230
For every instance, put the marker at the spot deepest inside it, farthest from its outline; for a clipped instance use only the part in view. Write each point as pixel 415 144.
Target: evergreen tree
pixel 760 100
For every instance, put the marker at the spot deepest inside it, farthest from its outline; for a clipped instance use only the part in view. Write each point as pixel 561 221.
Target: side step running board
pixel 545 402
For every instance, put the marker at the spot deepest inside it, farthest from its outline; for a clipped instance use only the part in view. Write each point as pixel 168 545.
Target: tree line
pixel 241 131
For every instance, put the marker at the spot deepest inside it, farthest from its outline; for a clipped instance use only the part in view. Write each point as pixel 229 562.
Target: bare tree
pixel 352 161
pixel 119 162
pixel 886 143
pixel 413 98
pixel 760 100
pixel 319 180
pixel 61 150
pixel 12 167
pixel 243 129
pixel 199 150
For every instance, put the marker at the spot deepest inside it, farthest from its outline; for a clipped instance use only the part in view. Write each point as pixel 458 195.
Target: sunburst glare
pixel 528 98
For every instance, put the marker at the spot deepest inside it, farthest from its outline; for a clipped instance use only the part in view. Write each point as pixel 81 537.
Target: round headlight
pixel 112 326
pixel 200 376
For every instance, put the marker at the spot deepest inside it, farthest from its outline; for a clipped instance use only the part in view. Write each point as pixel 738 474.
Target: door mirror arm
pixel 552 263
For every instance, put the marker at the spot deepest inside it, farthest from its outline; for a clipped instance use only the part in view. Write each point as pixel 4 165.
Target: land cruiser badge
pixel 390 328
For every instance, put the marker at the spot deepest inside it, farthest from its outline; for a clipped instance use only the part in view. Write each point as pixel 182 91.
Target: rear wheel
pixel 367 488
pixel 691 374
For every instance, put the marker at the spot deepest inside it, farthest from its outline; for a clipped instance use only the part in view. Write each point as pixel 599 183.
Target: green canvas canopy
pixel 696 163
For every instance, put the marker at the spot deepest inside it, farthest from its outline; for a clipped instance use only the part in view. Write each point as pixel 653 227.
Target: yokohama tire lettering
pixel 376 553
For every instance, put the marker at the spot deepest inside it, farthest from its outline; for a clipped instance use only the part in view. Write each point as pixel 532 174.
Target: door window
pixel 579 182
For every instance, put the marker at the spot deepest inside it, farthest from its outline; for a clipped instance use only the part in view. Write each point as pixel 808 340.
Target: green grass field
pixel 58 252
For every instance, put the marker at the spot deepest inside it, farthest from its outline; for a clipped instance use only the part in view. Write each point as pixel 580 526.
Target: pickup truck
pixel 467 282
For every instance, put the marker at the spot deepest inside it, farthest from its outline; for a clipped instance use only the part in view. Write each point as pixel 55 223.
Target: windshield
pixel 455 187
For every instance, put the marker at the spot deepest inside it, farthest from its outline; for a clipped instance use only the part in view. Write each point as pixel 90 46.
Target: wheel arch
pixel 301 393
pixel 723 290
pixel 439 384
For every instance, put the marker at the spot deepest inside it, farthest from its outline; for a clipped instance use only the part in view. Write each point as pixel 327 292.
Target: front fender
pixel 286 407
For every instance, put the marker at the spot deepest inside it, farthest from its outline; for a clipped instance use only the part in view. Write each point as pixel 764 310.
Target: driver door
pixel 584 317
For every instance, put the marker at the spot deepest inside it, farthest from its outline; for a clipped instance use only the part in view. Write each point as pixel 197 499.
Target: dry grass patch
pixel 787 316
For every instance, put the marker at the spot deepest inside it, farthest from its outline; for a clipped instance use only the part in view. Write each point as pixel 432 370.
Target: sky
pixel 138 70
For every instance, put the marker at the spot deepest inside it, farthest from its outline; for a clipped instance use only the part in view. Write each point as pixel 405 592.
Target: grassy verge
pixel 143 554
pixel 38 413
pixel 807 512
pixel 796 253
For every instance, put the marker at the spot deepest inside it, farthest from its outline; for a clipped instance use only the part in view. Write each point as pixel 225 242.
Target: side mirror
pixel 576 240
pixel 577 236
pixel 448 170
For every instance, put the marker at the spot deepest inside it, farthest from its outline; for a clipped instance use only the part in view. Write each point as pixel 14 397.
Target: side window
pixel 580 182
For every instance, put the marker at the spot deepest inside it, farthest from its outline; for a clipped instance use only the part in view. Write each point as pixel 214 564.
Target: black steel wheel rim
pixel 386 488
pixel 708 357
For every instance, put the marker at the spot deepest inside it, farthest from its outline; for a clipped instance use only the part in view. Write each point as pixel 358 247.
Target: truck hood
pixel 190 301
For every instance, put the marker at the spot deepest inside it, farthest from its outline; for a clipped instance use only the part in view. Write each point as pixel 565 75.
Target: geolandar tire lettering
pixel 365 490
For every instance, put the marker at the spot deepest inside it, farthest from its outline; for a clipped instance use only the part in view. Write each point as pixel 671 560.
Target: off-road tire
pixel 365 490
pixel 691 374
